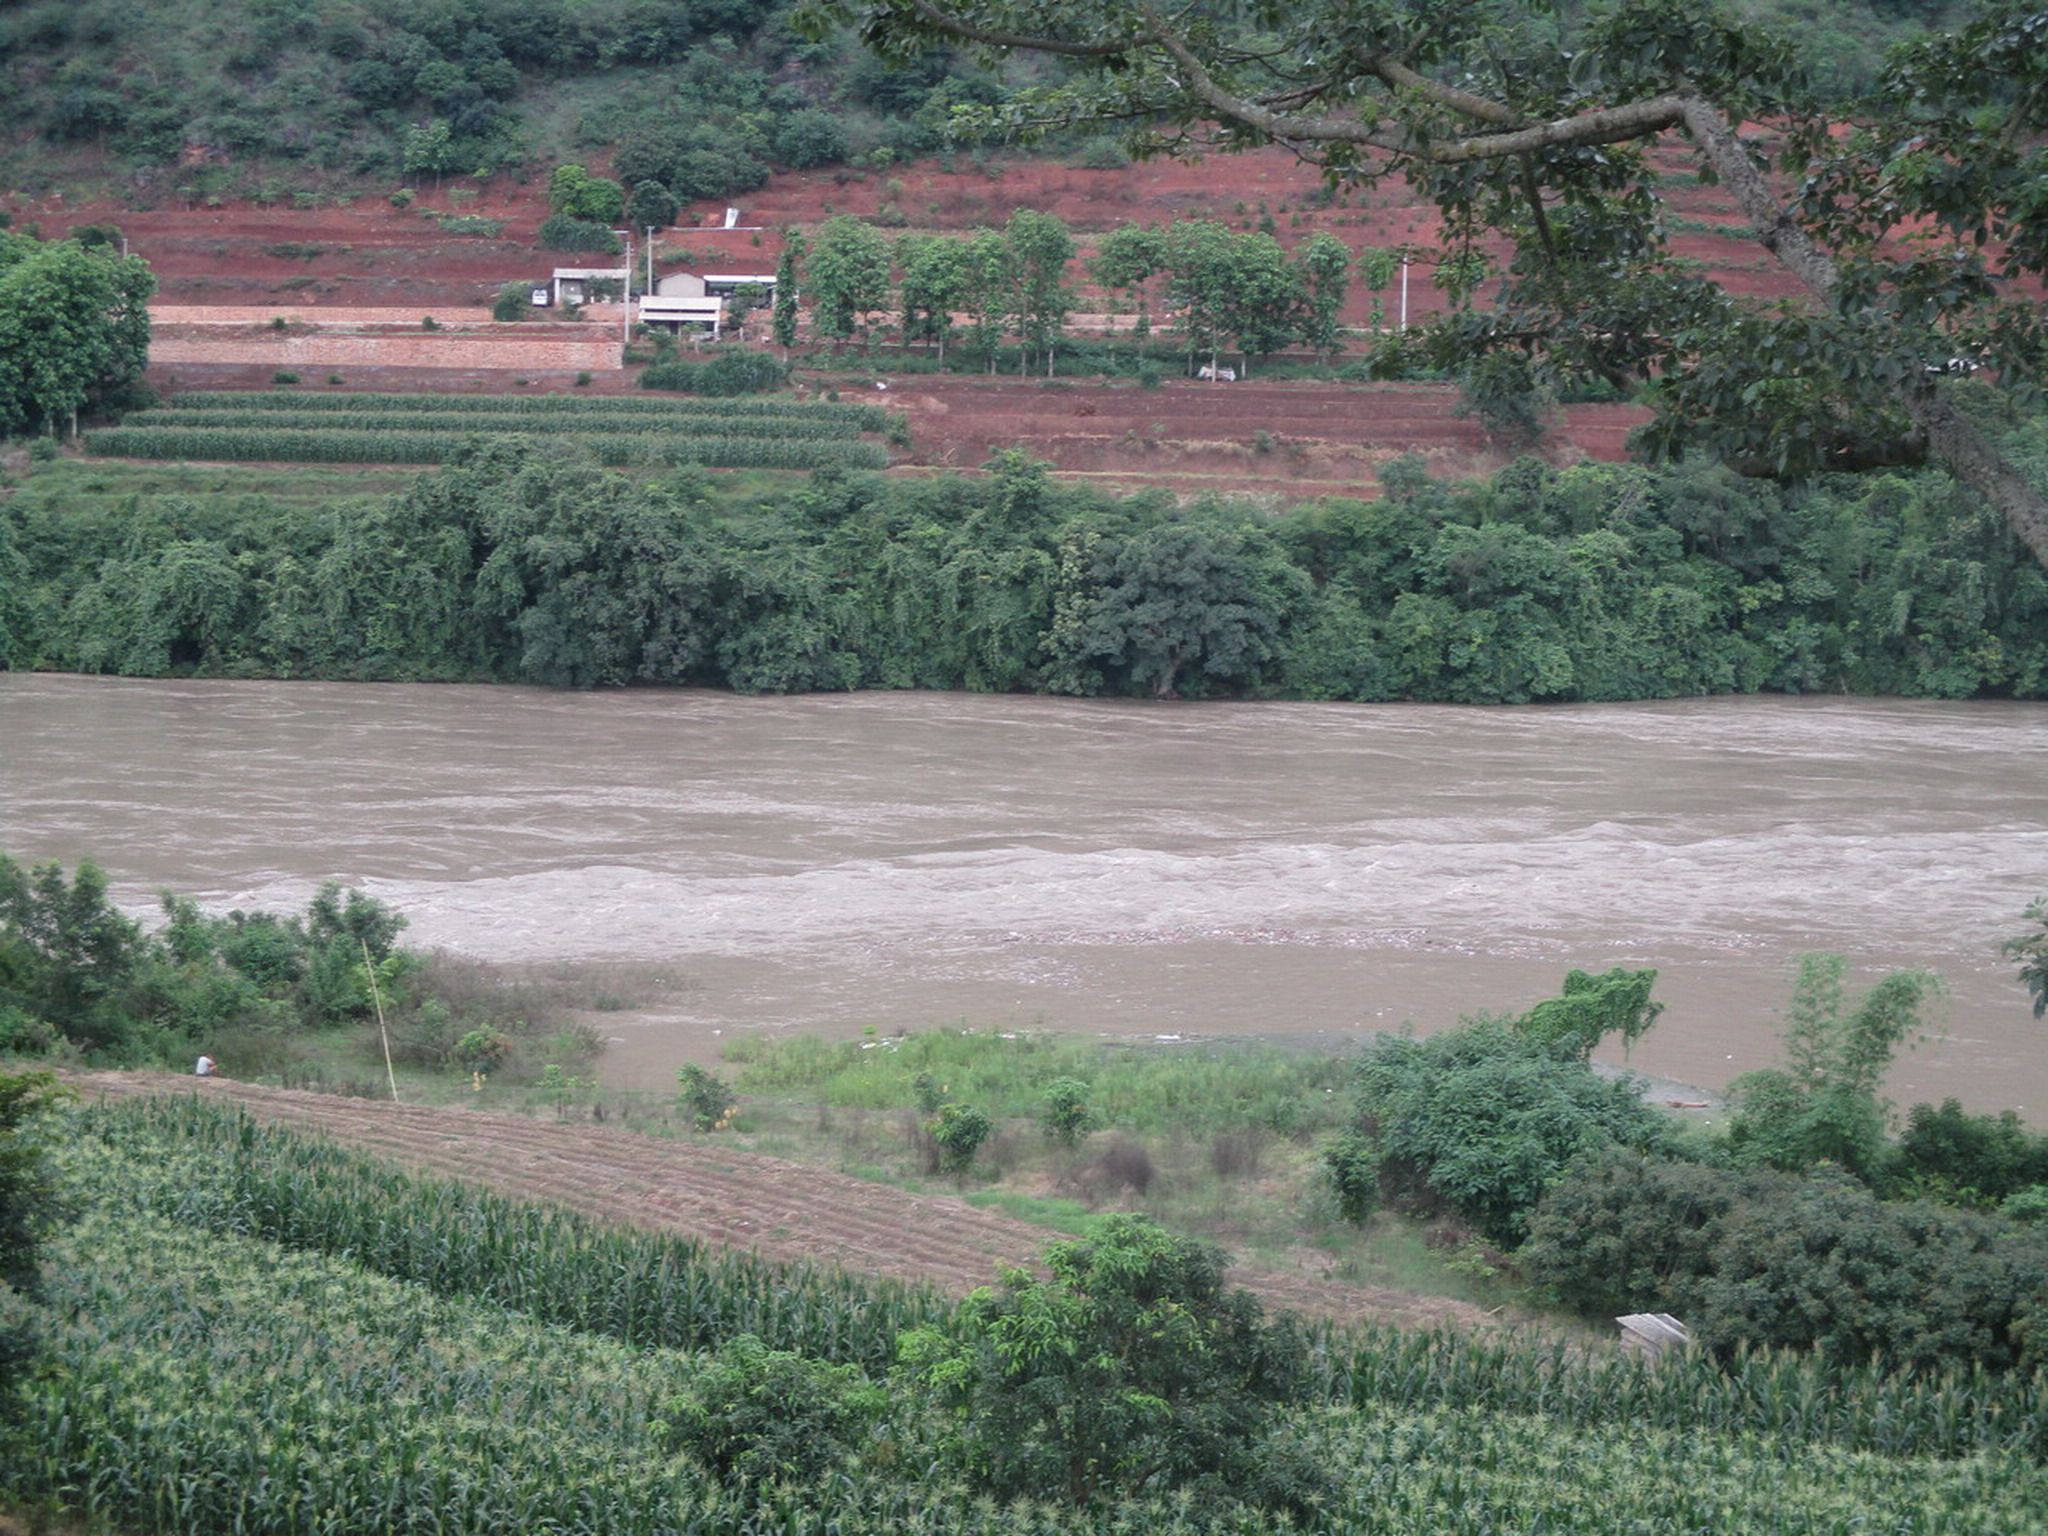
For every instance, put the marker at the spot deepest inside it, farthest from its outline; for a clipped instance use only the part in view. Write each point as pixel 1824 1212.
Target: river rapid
pixel 1307 873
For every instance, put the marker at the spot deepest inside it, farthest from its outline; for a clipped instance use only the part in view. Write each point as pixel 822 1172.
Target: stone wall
pixel 378 338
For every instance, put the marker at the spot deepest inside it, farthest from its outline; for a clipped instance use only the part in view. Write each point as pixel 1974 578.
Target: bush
pixel 514 302
pixel 1064 1112
pixel 739 371
pixel 574 193
pixel 808 139
pixel 1352 1165
pixel 755 1414
pixel 958 1130
pixel 1621 1230
pixel 1823 1105
pixel 1129 1365
pixel 560 232
pixel 1483 1121
pixel 1834 1270
pixel 706 1102
pixel 1965 1159
pixel 682 376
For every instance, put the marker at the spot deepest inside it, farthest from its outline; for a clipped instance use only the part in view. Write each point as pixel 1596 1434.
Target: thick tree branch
pixel 1960 447
pixel 1504 134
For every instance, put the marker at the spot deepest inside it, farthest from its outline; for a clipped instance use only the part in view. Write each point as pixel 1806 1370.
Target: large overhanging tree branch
pixel 1917 236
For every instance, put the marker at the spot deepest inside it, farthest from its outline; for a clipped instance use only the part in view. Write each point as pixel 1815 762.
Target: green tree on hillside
pixel 934 286
pixel 74 329
pixel 1325 264
pixel 1041 247
pixel 846 276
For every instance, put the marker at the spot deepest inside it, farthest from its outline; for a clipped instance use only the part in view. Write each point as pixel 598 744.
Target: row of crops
pixel 433 429
pixel 254 1332
pixel 859 417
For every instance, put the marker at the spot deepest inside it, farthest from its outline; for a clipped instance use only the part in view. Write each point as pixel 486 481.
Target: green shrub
pixel 1965 1159
pixel 755 1414
pixel 514 302
pixel 1483 1121
pixel 1832 1269
pixel 1622 1229
pixel 705 1102
pixel 560 232
pixel 1823 1105
pixel 739 371
pixel 959 1131
pixel 1352 1165
pixel 681 376
pixel 1064 1113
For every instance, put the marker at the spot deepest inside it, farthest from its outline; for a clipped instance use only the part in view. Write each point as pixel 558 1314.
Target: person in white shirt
pixel 207 1067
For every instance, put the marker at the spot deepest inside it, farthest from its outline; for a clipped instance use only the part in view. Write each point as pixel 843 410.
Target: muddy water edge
pixel 1303 873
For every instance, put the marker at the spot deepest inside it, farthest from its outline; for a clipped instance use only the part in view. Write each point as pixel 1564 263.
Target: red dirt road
pixel 708 1190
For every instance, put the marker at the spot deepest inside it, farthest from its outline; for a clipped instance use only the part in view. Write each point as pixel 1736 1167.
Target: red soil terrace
pixel 354 287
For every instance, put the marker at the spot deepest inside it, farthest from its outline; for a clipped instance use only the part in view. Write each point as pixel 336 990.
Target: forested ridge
pixel 264 97
pixel 1592 582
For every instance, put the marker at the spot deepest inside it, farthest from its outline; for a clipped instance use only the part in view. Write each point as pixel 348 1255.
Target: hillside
pixel 248 290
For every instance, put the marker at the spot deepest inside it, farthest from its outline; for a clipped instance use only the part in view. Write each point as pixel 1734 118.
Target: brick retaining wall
pixel 378 338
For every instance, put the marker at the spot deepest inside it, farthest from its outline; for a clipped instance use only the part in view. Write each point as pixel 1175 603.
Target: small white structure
pixel 1220 375
pixel 674 311
pixel 713 285
pixel 572 285
pixel 1648 1335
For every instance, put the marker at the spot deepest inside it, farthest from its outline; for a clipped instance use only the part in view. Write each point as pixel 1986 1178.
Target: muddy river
pixel 1311 873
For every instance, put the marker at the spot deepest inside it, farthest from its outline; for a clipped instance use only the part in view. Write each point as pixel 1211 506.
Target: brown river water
pixel 1307 873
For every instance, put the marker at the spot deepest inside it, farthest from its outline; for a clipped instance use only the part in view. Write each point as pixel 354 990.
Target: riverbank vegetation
pixel 520 564
pixel 1803 1218
pixel 82 981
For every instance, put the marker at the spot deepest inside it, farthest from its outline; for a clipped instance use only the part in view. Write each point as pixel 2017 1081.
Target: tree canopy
pixel 1912 219
pixel 74 327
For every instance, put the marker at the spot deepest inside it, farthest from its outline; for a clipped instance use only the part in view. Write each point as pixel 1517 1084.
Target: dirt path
pixel 715 1193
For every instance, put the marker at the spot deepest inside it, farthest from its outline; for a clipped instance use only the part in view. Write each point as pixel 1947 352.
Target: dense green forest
pixel 1587 583
pixel 196 100
pixel 189 100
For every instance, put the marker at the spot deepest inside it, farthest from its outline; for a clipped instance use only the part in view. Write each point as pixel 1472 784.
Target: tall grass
pixel 1195 1091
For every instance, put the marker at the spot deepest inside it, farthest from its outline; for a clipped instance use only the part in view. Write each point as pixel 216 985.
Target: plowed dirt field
pixel 710 1191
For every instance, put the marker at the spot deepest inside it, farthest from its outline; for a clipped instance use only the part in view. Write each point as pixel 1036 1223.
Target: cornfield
pixel 641 1288
pixel 637 423
pixel 254 1332
pixel 862 418
pixel 362 446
